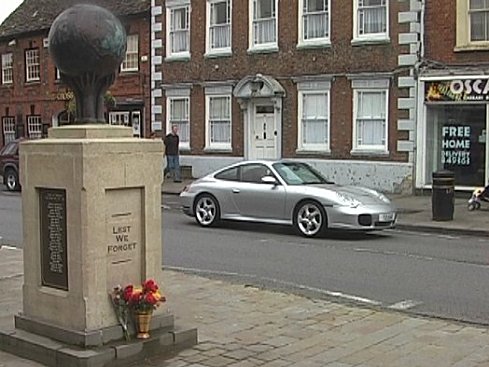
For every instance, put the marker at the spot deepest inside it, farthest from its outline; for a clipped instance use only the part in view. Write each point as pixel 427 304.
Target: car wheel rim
pixel 11 182
pixel 309 219
pixel 205 211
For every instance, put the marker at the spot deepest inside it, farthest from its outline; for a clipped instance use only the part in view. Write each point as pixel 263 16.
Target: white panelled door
pixel 264 134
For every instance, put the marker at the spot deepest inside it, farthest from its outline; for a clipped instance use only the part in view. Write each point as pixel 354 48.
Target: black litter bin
pixel 443 195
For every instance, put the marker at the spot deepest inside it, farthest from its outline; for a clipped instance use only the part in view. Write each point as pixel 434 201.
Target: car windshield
pixel 295 173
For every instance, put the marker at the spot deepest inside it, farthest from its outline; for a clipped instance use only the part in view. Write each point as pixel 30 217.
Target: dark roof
pixel 37 15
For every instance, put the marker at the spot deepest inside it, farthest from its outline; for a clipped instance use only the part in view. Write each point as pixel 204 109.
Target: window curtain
pixel 315 19
pixel 220 119
pixel 179 116
pixel 179 30
pixel 314 119
pixel 479 20
pixel 264 21
pixel 371 118
pixel 372 16
pixel 220 25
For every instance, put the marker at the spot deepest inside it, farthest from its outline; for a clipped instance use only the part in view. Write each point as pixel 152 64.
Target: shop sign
pixel 67 95
pixel 457 90
pixel 455 145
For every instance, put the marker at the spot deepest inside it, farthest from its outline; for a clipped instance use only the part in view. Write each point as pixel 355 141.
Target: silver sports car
pixel 285 192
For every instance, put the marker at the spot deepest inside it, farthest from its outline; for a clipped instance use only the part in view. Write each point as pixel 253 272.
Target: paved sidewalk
pixel 242 326
pixel 414 213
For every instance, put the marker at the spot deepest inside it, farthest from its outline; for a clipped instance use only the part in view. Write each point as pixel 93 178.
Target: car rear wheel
pixel 207 212
pixel 12 180
pixel 310 218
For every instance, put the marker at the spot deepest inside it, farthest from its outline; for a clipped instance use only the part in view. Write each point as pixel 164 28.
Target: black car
pixel 9 165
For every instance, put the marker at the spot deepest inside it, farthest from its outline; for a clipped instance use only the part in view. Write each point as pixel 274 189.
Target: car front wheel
pixel 310 219
pixel 206 210
pixel 12 180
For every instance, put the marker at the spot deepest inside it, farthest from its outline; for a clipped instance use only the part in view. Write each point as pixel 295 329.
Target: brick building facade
pixel 453 93
pixel 33 98
pixel 325 81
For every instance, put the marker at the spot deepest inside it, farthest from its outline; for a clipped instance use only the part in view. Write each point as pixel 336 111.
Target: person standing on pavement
pixel 172 141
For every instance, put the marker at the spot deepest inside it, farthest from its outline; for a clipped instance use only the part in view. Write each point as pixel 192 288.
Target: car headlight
pixel 347 200
pixel 382 197
pixel 378 195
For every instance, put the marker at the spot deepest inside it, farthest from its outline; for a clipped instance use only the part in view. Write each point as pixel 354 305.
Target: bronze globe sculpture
pixel 87 44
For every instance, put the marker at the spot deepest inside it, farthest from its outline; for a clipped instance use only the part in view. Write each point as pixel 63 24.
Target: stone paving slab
pixel 242 326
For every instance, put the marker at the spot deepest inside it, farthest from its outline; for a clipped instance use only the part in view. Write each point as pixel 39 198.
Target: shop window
pixel 264 24
pixel 131 60
pixel 218 124
pixel 219 26
pixel 314 21
pixel 34 127
pixel 32 65
pixel 7 68
pixel 8 127
pixel 178 114
pixel 119 118
pixel 456 141
pixel 370 128
pixel 371 19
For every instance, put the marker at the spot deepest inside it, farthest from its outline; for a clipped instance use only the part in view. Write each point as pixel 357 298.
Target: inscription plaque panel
pixel 54 258
pixel 124 243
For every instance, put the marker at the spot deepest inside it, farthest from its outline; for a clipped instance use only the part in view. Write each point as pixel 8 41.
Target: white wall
pixel 389 177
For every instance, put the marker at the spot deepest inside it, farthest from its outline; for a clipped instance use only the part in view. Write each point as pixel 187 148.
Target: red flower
pixel 128 293
pixel 151 299
pixel 150 285
pixel 135 297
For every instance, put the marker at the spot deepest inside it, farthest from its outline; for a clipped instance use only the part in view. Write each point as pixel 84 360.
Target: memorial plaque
pixel 54 259
pixel 124 236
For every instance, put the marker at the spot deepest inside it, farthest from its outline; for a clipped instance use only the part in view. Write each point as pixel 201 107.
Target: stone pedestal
pixel 91 201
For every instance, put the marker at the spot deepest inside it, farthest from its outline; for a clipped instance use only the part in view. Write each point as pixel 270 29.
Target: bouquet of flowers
pixel 121 309
pixel 143 299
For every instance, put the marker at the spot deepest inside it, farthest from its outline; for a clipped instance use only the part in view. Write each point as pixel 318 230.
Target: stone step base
pixel 52 353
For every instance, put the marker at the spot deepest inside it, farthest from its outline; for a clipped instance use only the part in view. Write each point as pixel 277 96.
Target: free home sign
pixel 455 145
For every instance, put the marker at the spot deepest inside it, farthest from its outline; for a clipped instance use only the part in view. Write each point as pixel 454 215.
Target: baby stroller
pixel 478 196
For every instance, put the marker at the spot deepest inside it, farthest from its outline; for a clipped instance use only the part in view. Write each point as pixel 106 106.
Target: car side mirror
pixel 269 180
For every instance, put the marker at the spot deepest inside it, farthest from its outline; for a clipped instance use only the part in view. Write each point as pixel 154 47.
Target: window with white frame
pixel 472 25
pixel 313 129
pixel 264 25
pixel 371 18
pixel 479 20
pixel 34 127
pixel 370 129
pixel 131 60
pixel 7 68
pixel 120 118
pixel 32 65
pixel 8 127
pixel 218 26
pixel 314 21
pixel 218 122
pixel 178 113
pixel 178 31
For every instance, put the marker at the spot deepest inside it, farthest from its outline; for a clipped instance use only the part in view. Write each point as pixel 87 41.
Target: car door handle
pixel 236 191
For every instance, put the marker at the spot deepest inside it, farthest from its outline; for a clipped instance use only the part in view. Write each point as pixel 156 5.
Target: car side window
pixel 9 149
pixel 253 173
pixel 230 174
